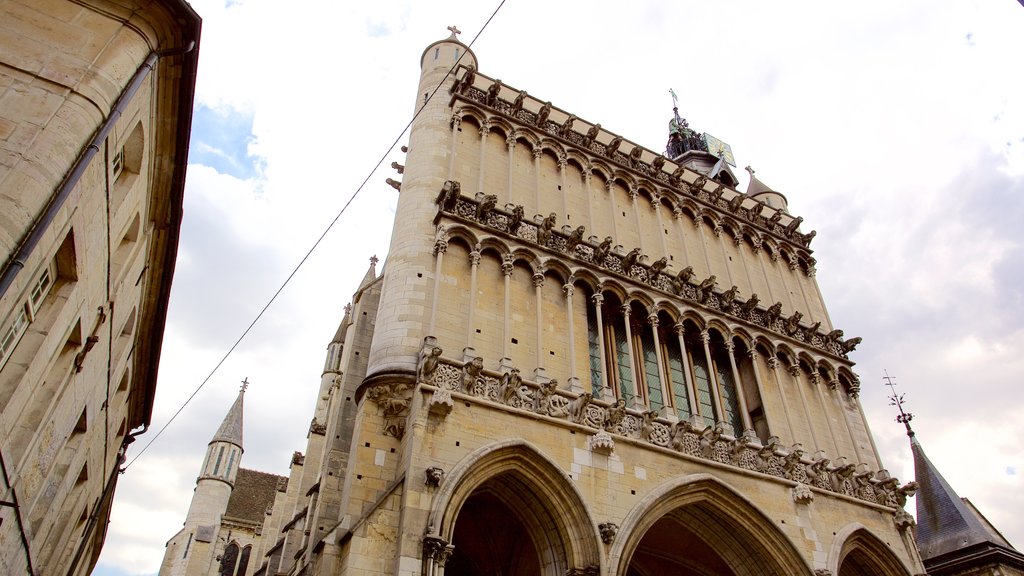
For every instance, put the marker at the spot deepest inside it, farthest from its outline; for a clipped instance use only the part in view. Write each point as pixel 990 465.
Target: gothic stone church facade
pixel 582 357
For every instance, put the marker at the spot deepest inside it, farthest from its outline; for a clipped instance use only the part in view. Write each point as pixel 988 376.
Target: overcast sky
pixel 896 129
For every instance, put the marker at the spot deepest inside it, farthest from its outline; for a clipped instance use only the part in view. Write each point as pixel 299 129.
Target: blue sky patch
pixel 220 140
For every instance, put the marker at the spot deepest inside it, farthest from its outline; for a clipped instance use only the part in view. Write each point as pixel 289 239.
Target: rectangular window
pixel 117 163
pixel 594 345
pixel 655 397
pixel 622 358
pixel 680 394
pixel 220 455
pixel 25 312
pixel 727 388
pixel 702 381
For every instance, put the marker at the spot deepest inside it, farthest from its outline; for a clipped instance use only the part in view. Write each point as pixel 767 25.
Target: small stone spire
pixel 231 428
pixel 371 273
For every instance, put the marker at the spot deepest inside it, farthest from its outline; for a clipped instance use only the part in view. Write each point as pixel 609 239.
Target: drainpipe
pixel 56 201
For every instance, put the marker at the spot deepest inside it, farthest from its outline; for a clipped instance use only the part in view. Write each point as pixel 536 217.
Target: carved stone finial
pixel 608 531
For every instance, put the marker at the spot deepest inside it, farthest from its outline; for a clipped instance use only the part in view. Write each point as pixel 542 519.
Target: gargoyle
pixel 543 113
pixel 706 287
pixel 682 279
pixel 492 93
pixel 736 202
pixel 601 252
pixel 749 305
pixel 850 344
pixel 793 225
pixel 657 267
pixel 613 146
pixel 517 105
pixel 591 135
pixel 517 219
pixel 483 209
pixel 575 238
pixel 544 232
pixel 793 323
pixel 630 259
pixel 566 127
pixel 729 297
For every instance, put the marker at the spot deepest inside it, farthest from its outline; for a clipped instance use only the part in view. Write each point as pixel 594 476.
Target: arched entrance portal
pixel 508 510
pixel 698 526
pixel 493 537
pixel 669 547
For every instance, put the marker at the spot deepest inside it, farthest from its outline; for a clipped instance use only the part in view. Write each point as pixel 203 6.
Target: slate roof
pixel 253 493
pixel 945 522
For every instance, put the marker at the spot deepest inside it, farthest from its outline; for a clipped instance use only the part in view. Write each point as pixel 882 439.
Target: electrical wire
pixel 316 243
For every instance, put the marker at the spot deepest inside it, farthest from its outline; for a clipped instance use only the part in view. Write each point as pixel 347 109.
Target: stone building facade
pixel 95 113
pixel 584 357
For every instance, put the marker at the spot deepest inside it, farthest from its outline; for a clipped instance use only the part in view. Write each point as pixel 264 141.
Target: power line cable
pixel 315 244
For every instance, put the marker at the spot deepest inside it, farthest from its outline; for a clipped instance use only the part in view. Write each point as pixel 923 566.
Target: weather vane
pixel 897 400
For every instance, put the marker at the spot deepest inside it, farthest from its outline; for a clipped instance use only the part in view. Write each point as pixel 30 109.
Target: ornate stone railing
pixel 688 437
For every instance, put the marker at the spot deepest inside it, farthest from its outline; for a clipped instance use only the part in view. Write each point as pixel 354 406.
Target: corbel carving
pixel 434 475
pixel 802 494
pixel 608 531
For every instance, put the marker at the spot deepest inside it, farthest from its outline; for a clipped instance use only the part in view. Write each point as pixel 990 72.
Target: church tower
pixel 584 357
pixel 191 551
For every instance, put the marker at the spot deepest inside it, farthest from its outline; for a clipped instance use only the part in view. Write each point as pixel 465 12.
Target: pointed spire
pixel 371 273
pixel 755 186
pixel 231 428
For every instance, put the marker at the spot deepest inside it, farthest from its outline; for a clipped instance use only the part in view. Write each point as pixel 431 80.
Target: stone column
pixel 815 382
pixel 637 399
pixel 748 426
pixel 562 162
pixel 485 129
pixel 511 143
pixel 440 247
pixel 661 225
pixel 474 266
pixel 537 153
pixel 574 381
pixel 752 353
pixel 606 389
pixel 608 188
pixel 666 388
pixel 794 371
pixel 691 397
pixel 834 387
pixel 436 552
pixel 506 268
pixel 456 123
pixel 705 338
pixel 590 204
pixel 538 287
pixel 633 195
pixel 773 365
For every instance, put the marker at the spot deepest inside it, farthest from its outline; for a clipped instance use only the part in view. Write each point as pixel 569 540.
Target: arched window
pixel 229 560
pixel 243 562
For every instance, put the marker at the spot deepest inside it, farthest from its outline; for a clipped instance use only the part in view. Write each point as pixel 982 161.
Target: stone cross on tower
pixel 750 170
pixel 245 384
pixel 454 30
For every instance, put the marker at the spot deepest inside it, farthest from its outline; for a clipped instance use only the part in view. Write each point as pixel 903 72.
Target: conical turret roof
pixel 231 428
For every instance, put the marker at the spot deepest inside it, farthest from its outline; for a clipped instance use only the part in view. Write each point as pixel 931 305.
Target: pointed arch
pixel 740 533
pixel 553 506
pixel 856 551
